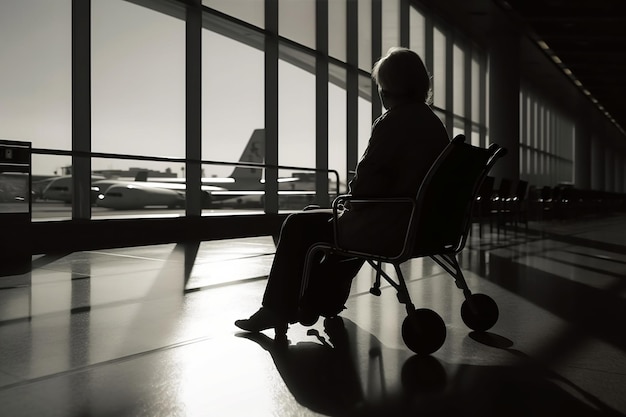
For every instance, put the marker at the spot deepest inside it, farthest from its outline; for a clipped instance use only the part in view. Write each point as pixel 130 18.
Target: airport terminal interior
pixel 151 149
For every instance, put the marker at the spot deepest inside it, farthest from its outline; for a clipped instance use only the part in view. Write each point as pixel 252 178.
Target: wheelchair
pixel 435 223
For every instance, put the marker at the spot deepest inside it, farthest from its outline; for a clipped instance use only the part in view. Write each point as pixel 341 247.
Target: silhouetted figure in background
pixel 404 143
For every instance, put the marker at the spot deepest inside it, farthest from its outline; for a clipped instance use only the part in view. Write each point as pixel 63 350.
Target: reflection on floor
pixel 148 331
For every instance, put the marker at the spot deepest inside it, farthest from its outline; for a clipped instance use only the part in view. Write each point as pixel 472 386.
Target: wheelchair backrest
pixel 445 198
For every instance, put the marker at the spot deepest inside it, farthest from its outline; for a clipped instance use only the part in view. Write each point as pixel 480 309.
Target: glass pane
pixel 36 85
pixel 138 82
pixel 458 80
pixel 232 122
pixel 251 11
pixel 487 104
pixel 337 102
pixel 365 34
pixel 146 189
pixel 391 24
pixel 417 29
pixel 458 127
pixel 475 91
pixel 51 197
pixel 475 138
pixel 296 125
pixel 232 100
pixel 337 15
pixel 296 21
pixel 439 70
pixel 365 113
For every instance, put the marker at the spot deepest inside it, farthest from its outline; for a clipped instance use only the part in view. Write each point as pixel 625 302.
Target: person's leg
pixel 299 232
pixel 282 292
pixel 329 285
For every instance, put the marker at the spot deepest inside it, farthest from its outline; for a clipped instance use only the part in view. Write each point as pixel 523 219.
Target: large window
pixel 417 41
pixel 390 24
pixel 458 80
pixel 365 112
pixel 337 124
pixel 438 71
pixel 35 81
pixel 296 125
pixel 138 87
pixel 337 29
pixel 546 143
pixel 137 81
pixel 296 21
pixel 232 99
pixel 365 34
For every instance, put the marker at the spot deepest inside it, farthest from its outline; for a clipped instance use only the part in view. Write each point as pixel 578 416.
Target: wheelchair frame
pixel 423 330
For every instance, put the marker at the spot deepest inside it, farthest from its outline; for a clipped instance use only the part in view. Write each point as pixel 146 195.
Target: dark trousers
pixel 298 233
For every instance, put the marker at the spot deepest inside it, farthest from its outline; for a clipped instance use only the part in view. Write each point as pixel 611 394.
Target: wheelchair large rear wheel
pixel 423 331
pixel 479 312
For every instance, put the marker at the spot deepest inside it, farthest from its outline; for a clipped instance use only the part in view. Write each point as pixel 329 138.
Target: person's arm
pixel 371 172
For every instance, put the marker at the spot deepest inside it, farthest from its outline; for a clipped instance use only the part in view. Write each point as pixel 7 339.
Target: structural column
pixel 504 89
pixel 597 164
pixel 582 157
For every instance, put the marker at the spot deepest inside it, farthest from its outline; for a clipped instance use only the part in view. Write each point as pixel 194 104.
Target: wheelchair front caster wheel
pixel 479 312
pixel 375 291
pixel 423 331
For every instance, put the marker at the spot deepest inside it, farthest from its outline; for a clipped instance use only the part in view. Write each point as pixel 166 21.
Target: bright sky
pixel 138 81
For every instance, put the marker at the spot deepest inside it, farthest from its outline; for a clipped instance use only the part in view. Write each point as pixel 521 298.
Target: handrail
pixel 105 155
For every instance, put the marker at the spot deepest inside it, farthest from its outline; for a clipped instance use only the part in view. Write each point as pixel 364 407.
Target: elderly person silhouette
pixel 405 141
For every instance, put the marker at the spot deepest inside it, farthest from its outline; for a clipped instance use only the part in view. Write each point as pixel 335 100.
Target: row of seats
pixel 516 202
pixel 564 201
pixel 502 204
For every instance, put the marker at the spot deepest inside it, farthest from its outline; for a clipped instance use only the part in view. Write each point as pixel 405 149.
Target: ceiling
pixel 588 37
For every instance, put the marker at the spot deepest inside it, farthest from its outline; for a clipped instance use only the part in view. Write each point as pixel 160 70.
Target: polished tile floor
pixel 148 331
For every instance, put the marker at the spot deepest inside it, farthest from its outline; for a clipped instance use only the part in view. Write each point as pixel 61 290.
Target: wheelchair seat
pixel 434 223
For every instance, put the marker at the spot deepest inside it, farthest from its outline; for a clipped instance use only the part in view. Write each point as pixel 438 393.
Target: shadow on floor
pixel 324 376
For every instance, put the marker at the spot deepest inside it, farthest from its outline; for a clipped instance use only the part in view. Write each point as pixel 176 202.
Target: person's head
pixel 401 76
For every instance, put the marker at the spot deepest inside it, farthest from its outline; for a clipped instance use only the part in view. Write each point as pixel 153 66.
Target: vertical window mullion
pixel 193 110
pixel 467 95
pixel 81 108
pixel 352 87
pixel 271 106
pixel 449 109
pixel 482 90
pixel 321 102
pixel 377 42
pixel 405 23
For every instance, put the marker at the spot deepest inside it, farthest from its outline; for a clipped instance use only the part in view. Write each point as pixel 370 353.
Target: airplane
pixel 245 186
pixel 60 188
pixel 169 192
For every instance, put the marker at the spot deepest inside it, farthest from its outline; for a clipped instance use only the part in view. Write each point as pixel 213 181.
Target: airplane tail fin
pixel 254 152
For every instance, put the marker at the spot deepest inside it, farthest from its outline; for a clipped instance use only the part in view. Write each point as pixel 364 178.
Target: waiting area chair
pixel 438 221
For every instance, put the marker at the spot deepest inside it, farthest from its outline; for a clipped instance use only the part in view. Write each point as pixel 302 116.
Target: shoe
pixel 262 320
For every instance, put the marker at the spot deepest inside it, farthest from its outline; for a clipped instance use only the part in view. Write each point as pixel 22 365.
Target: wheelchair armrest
pixel 343 202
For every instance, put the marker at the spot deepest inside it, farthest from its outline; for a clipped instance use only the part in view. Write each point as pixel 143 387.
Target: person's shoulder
pixel 419 115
